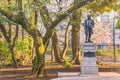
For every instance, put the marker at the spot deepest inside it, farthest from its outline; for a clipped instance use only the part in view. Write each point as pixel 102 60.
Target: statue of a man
pixel 88 26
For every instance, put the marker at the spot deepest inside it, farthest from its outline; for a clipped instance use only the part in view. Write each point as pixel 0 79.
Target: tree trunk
pixel 66 43
pixel 22 34
pixel 10 31
pixel 76 19
pixel 52 54
pixel 31 47
pixel 39 60
pixel 21 5
pixel 75 46
pixel 15 64
pixel 56 47
pixel 13 46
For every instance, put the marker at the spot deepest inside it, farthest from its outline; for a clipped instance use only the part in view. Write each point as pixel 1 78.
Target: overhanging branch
pixel 9 15
pixel 3 30
pixel 19 20
pixel 69 11
pixel 45 16
pixel 62 17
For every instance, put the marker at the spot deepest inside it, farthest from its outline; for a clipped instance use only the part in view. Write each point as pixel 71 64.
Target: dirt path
pixel 14 73
pixel 22 73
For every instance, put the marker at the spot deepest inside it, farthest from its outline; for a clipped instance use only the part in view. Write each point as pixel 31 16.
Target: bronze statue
pixel 88 26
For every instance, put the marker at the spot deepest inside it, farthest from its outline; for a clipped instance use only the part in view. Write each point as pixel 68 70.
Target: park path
pixel 75 76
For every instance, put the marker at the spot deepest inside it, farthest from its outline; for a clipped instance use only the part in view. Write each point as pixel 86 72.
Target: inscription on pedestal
pixel 89 54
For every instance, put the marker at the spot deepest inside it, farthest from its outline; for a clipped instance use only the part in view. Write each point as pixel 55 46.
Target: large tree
pixel 41 43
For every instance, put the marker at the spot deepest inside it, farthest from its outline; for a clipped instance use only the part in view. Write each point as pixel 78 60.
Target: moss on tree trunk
pixel 39 59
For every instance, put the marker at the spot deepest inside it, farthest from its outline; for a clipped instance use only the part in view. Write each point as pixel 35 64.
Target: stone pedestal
pixel 89 66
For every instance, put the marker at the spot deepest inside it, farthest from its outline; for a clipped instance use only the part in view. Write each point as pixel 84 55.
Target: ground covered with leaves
pixel 23 72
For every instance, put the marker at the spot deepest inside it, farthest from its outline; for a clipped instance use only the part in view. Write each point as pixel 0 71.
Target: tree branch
pixel 69 11
pixel 16 36
pixel 62 17
pixel 45 16
pixel 3 30
pixel 9 15
pixel 20 20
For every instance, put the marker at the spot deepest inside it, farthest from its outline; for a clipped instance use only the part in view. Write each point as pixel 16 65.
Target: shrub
pixel 5 56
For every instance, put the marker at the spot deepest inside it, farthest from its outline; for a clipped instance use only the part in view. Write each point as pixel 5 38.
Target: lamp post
pixel 114 39
pixel 114 47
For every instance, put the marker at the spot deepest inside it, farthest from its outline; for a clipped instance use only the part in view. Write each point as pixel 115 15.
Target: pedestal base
pixel 89 71
pixel 89 66
pixel 93 69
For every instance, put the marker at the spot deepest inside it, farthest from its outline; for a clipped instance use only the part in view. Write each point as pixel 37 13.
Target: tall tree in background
pixel 66 42
pixel 76 23
pixel 55 41
pixel 56 46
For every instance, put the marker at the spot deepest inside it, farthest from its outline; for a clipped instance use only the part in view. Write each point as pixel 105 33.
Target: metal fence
pixel 108 53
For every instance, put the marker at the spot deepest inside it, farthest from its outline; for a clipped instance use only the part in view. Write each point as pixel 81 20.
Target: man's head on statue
pixel 89 16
